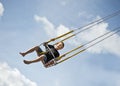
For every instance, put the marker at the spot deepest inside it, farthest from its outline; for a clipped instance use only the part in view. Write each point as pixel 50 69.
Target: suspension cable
pixel 92 24
pixel 89 46
pixel 86 43
pixel 101 19
pixel 85 27
pixel 103 39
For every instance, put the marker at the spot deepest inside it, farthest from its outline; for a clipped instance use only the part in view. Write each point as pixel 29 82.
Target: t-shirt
pixel 51 50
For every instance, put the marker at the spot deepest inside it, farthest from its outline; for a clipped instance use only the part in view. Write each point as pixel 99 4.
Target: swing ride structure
pixel 86 46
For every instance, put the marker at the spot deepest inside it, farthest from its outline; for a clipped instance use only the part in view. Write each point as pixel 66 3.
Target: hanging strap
pixel 69 52
pixel 70 56
pixel 60 36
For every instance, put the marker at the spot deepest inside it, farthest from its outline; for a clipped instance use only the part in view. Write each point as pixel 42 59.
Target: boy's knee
pixel 36 47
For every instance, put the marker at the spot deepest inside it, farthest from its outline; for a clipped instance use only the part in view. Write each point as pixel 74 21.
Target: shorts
pixel 39 51
pixel 45 59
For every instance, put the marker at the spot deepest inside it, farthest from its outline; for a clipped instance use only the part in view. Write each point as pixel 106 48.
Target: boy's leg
pixel 40 58
pixel 37 49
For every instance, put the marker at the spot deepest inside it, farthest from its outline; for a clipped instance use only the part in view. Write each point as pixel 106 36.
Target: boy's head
pixel 59 45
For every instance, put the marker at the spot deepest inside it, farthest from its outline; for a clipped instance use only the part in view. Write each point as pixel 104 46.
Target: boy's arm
pixel 47 46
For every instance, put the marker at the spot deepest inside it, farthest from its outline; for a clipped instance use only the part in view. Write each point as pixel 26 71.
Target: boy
pixel 48 56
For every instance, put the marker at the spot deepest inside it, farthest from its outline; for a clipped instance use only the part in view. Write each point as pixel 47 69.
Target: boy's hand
pixel 45 43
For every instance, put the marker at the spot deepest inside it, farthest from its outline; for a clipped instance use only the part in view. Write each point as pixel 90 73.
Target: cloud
pixel 48 26
pixel 52 31
pixel 1 9
pixel 110 45
pixel 12 77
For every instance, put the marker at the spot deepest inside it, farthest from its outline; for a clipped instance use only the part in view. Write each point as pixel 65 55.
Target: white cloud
pixel 1 9
pixel 54 32
pixel 109 45
pixel 48 26
pixel 12 77
pixel 62 29
pixel 92 33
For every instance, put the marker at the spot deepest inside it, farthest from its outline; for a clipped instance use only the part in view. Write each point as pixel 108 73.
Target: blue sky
pixel 26 23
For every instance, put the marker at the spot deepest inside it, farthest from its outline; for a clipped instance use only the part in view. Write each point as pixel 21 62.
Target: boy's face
pixel 59 45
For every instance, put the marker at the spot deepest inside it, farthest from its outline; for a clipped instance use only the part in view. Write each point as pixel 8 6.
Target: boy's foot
pixel 27 62
pixel 23 54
